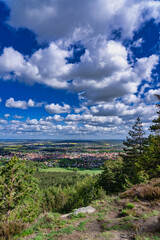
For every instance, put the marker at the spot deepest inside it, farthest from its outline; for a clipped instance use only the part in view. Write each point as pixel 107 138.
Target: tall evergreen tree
pixel 150 160
pixel 156 125
pixel 18 192
pixel 133 150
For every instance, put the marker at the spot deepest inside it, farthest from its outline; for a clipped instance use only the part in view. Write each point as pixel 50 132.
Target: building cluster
pixel 67 159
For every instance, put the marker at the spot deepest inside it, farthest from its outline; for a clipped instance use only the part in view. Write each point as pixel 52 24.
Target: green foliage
pixel 133 150
pixel 68 198
pixel 156 122
pixel 81 226
pixel 111 178
pixel 150 214
pixel 48 179
pixel 130 205
pixel 18 192
pixel 48 220
pixel 123 173
pixel 27 232
pixel 150 160
pixel 79 215
pixel 124 212
pixel 87 191
pixel 67 230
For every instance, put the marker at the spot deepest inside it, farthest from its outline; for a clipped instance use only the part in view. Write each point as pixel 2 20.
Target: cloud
pixel 131 98
pixel 104 72
pixel 56 108
pixel 56 118
pixel 53 19
pixel 81 109
pixel 7 115
pixel 138 43
pixel 3 121
pixel 94 120
pixel 144 66
pixel 111 83
pixel 11 103
pixel 125 111
pixel 48 66
pixel 17 116
pixel 150 95
pixel 0 99
pixel 107 120
pixel 31 121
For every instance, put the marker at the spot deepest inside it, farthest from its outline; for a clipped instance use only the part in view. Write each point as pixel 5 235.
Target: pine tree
pixel 133 150
pixel 18 192
pixel 150 160
pixel 156 126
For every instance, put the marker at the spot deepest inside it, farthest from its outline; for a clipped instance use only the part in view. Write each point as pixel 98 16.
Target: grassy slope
pixel 139 221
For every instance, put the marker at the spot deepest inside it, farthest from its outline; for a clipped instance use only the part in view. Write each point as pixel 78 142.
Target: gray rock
pixel 88 209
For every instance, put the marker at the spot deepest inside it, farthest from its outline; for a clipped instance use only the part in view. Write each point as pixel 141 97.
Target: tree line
pixel 140 160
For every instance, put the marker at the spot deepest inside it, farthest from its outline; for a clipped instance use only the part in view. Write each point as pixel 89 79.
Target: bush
pixel 68 198
pixel 124 212
pixel 8 229
pixel 130 205
pixel 111 179
pixel 143 191
pixel 18 192
pixel 27 211
pixel 54 199
pixel 87 191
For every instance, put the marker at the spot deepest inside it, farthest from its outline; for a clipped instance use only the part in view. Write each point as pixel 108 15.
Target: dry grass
pixel 149 191
pixel 9 229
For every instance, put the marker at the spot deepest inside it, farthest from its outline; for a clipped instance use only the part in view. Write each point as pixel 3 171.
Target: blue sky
pixel 77 69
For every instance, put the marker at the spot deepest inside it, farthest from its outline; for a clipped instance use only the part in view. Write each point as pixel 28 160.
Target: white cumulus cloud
pixel 53 19
pixel 11 103
pixel 56 108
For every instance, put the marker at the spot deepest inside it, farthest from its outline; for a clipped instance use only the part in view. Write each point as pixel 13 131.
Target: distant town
pixel 74 154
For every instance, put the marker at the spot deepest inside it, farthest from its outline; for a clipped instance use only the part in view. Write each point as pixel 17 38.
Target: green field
pixel 80 170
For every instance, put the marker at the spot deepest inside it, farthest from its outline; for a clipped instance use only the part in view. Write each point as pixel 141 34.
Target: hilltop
pixel 133 214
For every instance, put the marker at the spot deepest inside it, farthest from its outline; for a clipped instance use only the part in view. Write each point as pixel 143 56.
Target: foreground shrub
pixel 130 205
pixel 18 192
pixel 26 211
pixel 54 199
pixel 8 229
pixel 143 191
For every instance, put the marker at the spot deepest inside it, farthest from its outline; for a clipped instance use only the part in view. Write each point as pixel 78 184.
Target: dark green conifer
pixel 150 160
pixel 156 126
pixel 133 150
